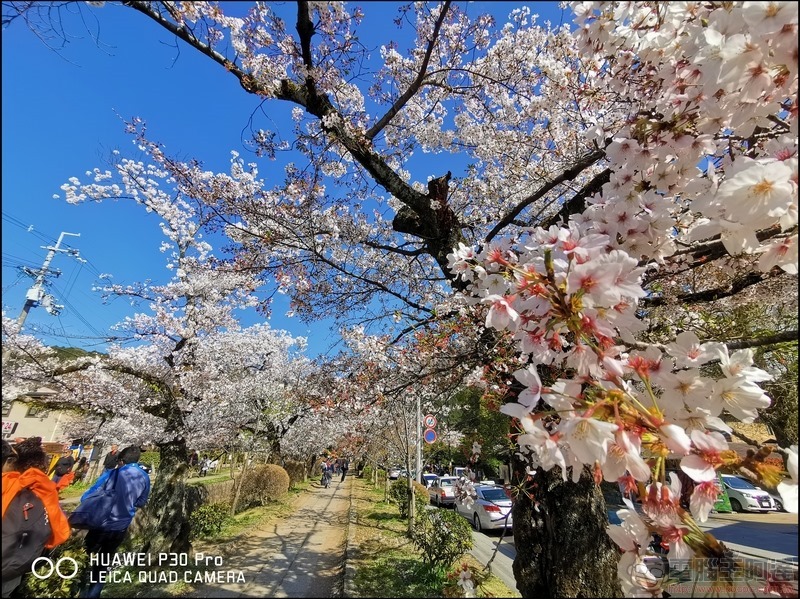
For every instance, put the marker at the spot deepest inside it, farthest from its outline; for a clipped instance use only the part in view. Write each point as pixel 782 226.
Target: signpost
pixel 430 435
pixel 430 421
pixel 9 427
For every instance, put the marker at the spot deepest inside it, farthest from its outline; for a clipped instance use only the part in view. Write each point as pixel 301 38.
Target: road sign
pixel 430 420
pixel 429 435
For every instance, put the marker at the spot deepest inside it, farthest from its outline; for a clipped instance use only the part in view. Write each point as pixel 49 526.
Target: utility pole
pixel 36 294
pixel 419 440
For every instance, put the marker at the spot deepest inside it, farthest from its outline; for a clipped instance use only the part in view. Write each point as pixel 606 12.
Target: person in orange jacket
pixel 24 467
pixel 65 481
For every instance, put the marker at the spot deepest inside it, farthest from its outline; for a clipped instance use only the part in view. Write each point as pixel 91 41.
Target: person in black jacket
pixel 63 465
pixel 112 458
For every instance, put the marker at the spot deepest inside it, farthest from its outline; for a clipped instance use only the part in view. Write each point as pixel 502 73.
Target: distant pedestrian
pixel 205 464
pixel 63 465
pixel 327 472
pixel 111 460
pixel 345 465
pixel 81 469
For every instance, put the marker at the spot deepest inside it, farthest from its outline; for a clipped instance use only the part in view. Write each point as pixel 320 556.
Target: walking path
pixel 300 556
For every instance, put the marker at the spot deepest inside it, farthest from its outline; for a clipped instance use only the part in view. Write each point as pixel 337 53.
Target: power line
pixel 29 228
pixel 77 314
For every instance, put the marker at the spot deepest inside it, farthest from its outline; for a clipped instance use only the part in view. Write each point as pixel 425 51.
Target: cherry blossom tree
pixel 597 166
pixel 188 374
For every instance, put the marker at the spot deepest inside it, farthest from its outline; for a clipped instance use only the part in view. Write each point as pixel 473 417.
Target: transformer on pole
pixel 36 295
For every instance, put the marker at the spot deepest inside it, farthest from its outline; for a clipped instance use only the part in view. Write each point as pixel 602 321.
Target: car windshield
pixel 445 482
pixel 739 483
pixel 494 494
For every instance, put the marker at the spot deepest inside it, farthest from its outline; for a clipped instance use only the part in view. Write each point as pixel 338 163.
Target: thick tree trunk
pixel 563 549
pixel 165 518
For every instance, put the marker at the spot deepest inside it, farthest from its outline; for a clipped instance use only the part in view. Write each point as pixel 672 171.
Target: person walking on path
pixel 132 489
pixel 327 473
pixel 345 467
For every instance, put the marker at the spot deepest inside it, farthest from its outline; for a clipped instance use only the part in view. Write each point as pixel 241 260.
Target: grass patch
pixel 75 490
pixel 211 478
pixel 387 563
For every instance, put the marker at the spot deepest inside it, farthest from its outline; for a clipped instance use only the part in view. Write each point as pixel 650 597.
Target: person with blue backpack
pixel 124 489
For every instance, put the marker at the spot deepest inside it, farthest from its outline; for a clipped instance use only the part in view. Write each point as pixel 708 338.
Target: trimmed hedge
pixel 296 471
pixel 262 484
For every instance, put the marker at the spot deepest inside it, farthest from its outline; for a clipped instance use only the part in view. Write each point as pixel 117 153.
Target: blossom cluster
pixel 709 148
pixel 569 301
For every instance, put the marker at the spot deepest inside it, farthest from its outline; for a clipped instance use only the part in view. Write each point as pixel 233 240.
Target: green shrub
pixel 153 458
pixel 442 536
pixel 381 475
pixel 367 472
pixel 54 585
pixel 398 492
pixel 208 519
pixel 263 483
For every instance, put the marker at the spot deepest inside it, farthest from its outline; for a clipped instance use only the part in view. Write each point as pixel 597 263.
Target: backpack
pixel 26 529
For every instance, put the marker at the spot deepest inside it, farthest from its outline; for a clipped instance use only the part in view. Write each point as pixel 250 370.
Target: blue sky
pixel 62 115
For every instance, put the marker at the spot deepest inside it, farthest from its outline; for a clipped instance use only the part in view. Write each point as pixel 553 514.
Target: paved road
pixel 769 536
pixel 484 549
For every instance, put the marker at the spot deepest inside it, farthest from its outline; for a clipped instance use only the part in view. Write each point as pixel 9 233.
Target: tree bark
pixel 238 485
pixel 563 549
pixel 165 518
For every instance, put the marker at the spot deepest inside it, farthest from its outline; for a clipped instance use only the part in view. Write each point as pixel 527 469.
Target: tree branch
pixel 711 295
pixel 567 175
pixel 777 338
pixel 416 84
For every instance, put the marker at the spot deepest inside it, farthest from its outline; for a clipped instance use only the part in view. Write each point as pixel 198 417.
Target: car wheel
pixel 476 522
pixel 778 505
pixel 735 505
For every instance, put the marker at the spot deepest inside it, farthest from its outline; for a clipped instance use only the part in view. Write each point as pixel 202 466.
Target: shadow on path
pixel 301 555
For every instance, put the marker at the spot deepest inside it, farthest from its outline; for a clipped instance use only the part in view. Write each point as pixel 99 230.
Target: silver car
pixel 442 491
pixel 490 510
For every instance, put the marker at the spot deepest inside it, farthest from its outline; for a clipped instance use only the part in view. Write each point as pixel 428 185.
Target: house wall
pixel 35 422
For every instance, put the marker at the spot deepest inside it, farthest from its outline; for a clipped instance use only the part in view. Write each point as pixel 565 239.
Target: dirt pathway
pixel 298 556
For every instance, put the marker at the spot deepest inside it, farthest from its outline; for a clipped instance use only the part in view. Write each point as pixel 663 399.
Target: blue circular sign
pixel 429 435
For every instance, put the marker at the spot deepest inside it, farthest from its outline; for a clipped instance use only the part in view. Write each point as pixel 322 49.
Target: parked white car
pixel 489 511
pixel 745 496
pixel 443 491
pixel 394 472
pixel 429 479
